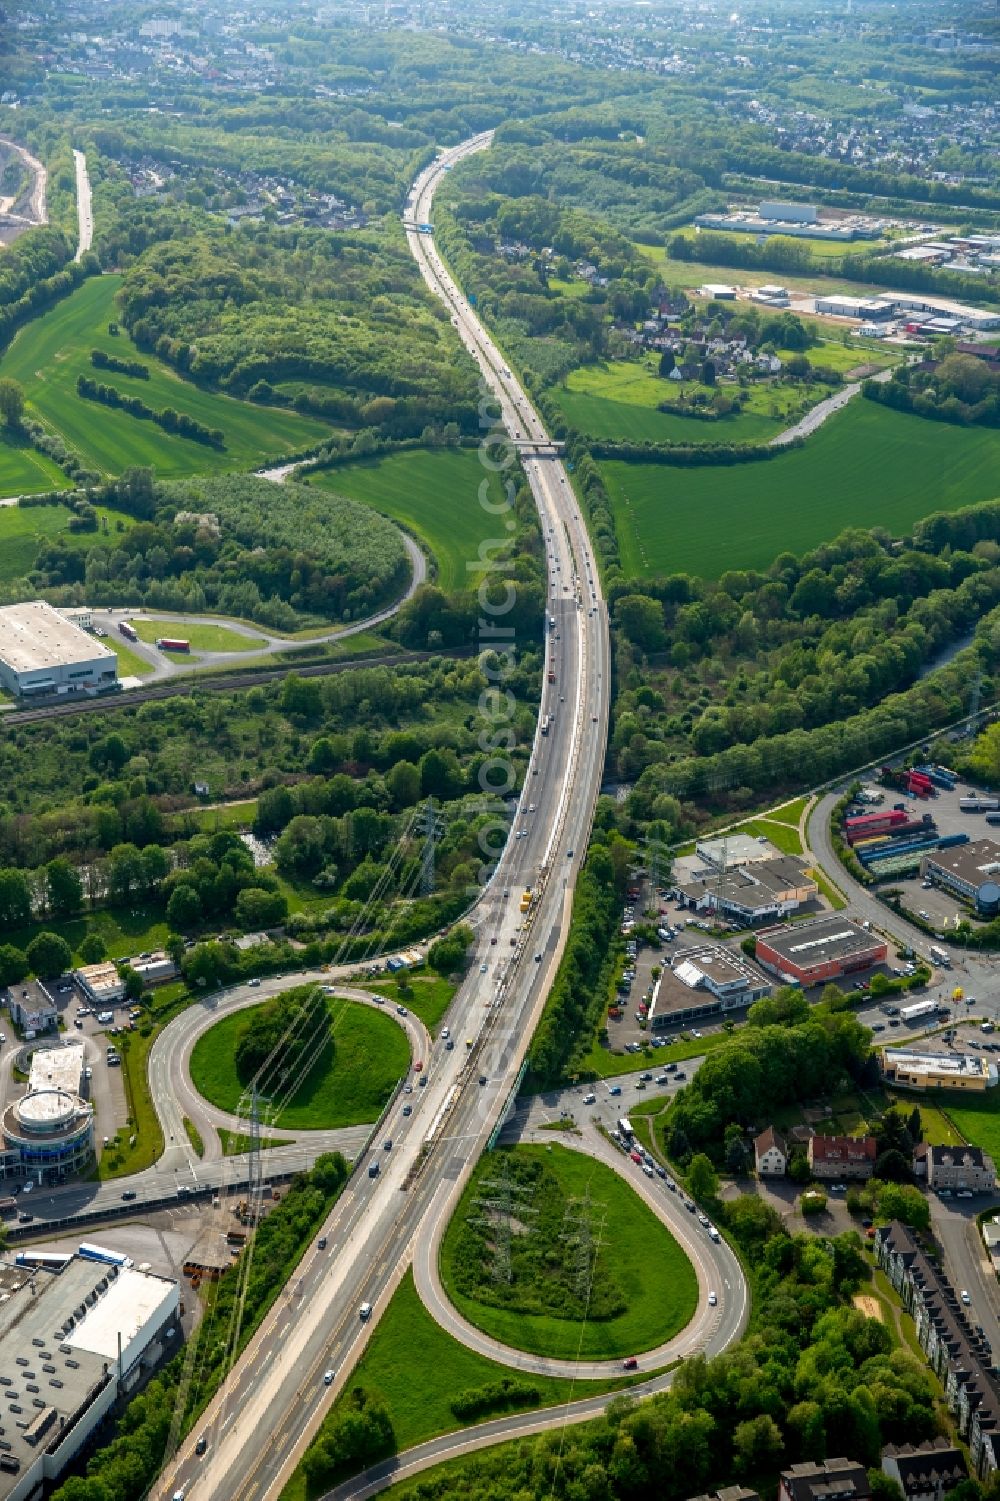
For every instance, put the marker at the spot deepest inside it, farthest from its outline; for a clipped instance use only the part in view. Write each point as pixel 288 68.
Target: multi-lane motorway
pixel 260 1423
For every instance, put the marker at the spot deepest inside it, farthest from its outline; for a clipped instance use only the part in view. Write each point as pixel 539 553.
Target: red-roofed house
pixel 771 1154
pixel 842 1156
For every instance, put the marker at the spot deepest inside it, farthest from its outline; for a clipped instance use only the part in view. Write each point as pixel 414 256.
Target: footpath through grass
pixel 49 353
pixel 803 497
pixel 370 1054
pixel 643 1290
pixel 434 493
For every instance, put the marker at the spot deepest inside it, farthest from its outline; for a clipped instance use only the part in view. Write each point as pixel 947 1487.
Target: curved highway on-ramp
pixel 259 1425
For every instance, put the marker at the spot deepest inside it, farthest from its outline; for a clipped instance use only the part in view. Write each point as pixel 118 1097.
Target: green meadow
pixel 434 493
pixel 49 353
pixel 867 466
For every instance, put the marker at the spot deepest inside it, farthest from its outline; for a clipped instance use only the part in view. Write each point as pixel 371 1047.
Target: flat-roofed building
pixel 154 969
pixel 32 1007
pixel 906 1069
pixel 100 983
pixel 734 850
pixel 963 869
pixel 702 981
pixel 57 1068
pixel 758 892
pixel 42 654
pixel 72 1340
pixel 815 952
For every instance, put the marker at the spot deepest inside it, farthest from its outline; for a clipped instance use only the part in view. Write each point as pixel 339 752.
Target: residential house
pixel 964 1168
pixel 954 1352
pixel 925 1471
pixel 919 1163
pixel 834 1480
pixel 730 1493
pixel 770 1154
pixel 842 1156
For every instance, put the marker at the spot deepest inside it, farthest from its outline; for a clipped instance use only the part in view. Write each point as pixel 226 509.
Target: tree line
pixel 168 418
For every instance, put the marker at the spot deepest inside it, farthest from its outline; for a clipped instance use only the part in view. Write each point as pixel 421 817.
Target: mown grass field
pixel 124 933
pixel 419 1369
pixel 130 664
pixel 427 996
pixel 655 1276
pixel 371 1053
pixel 24 529
pixel 434 493
pixel 49 353
pixel 867 466
pixel 25 472
pixel 201 637
pixel 977 1117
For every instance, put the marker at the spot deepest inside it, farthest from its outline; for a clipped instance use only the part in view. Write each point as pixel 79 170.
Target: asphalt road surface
pixel 84 208
pixel 262 1420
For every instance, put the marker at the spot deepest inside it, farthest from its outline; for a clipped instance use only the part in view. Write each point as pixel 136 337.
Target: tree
pixel 667 362
pixel 286 1037
pixel 132 981
pixel 257 908
pixel 15 899
pixel 93 948
pixel 184 908
pixel 708 373
pixel 702 1178
pixel 63 888
pixel 403 784
pixel 798 1167
pixel 11 403
pixel 447 954
pixel 49 955
pixel 736 1156
pixel 13 965
pixel 757 1444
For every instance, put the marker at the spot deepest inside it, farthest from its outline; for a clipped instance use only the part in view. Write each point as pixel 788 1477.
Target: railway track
pixel 217 683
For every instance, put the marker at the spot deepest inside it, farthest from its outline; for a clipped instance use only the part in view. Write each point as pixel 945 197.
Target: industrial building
pixel 799 220
pixel 720 291
pixel 815 952
pixel 760 892
pixel 100 983
pixel 733 850
pixel 51 1127
pixel 75 1334
pixel 875 309
pixel 969 871
pixel 702 981
pixel 32 1007
pixel 42 653
pixel 949 315
pixel 906 1069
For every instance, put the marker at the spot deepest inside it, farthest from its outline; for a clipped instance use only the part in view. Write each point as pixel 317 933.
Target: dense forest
pixel 283 555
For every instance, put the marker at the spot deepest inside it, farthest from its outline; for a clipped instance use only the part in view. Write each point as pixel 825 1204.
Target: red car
pixel 418 1065
pixel 635 1157
pixel 631 1364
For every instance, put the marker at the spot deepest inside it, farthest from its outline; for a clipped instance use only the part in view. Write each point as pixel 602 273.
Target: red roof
pixel 843 1148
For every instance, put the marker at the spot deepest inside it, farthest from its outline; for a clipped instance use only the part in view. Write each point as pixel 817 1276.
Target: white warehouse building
pixel 43 653
pixel 75 1332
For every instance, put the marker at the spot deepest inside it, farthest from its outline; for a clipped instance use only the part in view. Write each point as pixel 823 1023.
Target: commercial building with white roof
pixel 75 1334
pixel 43 653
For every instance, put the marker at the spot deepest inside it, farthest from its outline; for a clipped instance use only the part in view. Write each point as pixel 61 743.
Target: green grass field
pixel 24 529
pixel 427 996
pixel 124 933
pixel 977 1117
pixel 371 1054
pixel 655 1275
pixel 866 466
pixel 434 493
pixel 781 835
pixel 789 813
pixel 130 664
pixel 419 1370
pixel 25 472
pixel 49 353
pixel 201 637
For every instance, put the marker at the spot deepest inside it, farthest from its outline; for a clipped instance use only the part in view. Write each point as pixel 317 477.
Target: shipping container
pixel 173 643
pixel 917 1010
pixel 979 804
pixel 91 1252
pixel 947 841
pixel 128 631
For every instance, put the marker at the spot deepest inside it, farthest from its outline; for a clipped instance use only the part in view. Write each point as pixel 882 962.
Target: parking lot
pixel 934 905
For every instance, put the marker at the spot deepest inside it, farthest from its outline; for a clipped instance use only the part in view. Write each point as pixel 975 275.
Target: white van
pixel 104 1017
pixel 365 1311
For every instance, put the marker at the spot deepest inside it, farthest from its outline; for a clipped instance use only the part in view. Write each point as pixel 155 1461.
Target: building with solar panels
pixel 815 953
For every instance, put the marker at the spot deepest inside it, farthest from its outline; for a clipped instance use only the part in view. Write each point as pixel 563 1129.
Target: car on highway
pixel 484 966
pixel 407 1109
pixel 712 1300
pixel 327 1378
pixel 631 1364
pixel 129 1195
pixel 254 984
pixel 387 1144
pixel 365 1312
pixel 321 1243
pixel 401 1011
pixel 965 1297
pixel 373 1170
pixel 201 1445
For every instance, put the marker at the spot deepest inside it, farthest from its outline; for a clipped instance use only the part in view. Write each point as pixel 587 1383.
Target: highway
pixel 260 1423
